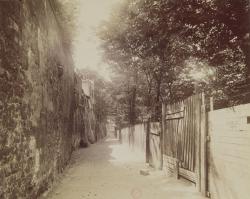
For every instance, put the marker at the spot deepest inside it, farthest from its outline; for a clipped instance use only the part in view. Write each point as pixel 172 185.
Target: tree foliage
pixel 177 46
pixel 66 12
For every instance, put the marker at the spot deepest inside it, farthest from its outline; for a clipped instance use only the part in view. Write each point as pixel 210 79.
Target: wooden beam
pixel 197 142
pixel 175 115
pixel 211 103
pixel 203 147
pixel 148 141
pixel 162 132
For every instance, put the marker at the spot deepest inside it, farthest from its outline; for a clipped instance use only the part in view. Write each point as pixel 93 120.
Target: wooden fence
pixel 183 140
pixel 211 149
pixel 144 137
pixel 134 137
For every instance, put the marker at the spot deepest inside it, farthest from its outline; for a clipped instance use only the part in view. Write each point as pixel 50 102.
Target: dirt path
pixel 107 171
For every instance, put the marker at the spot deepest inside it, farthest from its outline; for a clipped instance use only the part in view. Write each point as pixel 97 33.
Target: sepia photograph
pixel 124 99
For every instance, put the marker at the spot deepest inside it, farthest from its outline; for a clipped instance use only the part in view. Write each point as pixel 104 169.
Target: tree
pixel 129 45
pixel 160 38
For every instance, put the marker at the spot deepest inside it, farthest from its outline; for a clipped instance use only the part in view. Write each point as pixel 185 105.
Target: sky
pixel 86 52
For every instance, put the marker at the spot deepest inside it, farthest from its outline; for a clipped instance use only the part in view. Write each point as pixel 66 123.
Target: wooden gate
pixel 184 140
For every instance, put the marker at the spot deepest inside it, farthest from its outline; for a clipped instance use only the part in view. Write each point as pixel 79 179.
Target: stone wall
pixel 40 116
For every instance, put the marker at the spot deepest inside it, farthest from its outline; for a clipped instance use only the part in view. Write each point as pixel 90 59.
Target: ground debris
pixel 144 172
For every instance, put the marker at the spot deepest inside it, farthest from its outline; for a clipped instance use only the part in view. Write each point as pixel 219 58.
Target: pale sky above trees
pixel 86 46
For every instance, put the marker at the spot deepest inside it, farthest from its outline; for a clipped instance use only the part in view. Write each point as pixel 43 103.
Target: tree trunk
pixel 134 106
pixel 246 50
pixel 132 114
pixel 149 96
pixel 157 113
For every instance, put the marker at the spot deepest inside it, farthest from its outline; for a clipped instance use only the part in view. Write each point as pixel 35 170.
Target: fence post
pixel 162 132
pixel 148 141
pixel 198 141
pixel 211 103
pixel 203 147
pixel 120 135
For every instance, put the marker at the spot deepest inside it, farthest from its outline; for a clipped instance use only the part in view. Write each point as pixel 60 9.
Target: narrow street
pixel 107 170
pixel 107 99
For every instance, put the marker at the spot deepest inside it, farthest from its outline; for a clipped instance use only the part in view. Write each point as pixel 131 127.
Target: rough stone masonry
pixel 40 120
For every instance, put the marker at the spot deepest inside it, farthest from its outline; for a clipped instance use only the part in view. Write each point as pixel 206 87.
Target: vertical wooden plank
pixel 197 147
pixel 170 138
pixel 167 138
pixel 148 141
pixel 120 135
pixel 189 129
pixel 175 138
pixel 180 141
pixel 192 135
pixel 203 149
pixel 183 138
pixel 182 132
pixel 185 132
pixel 163 122
pixel 188 134
pixel 211 103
